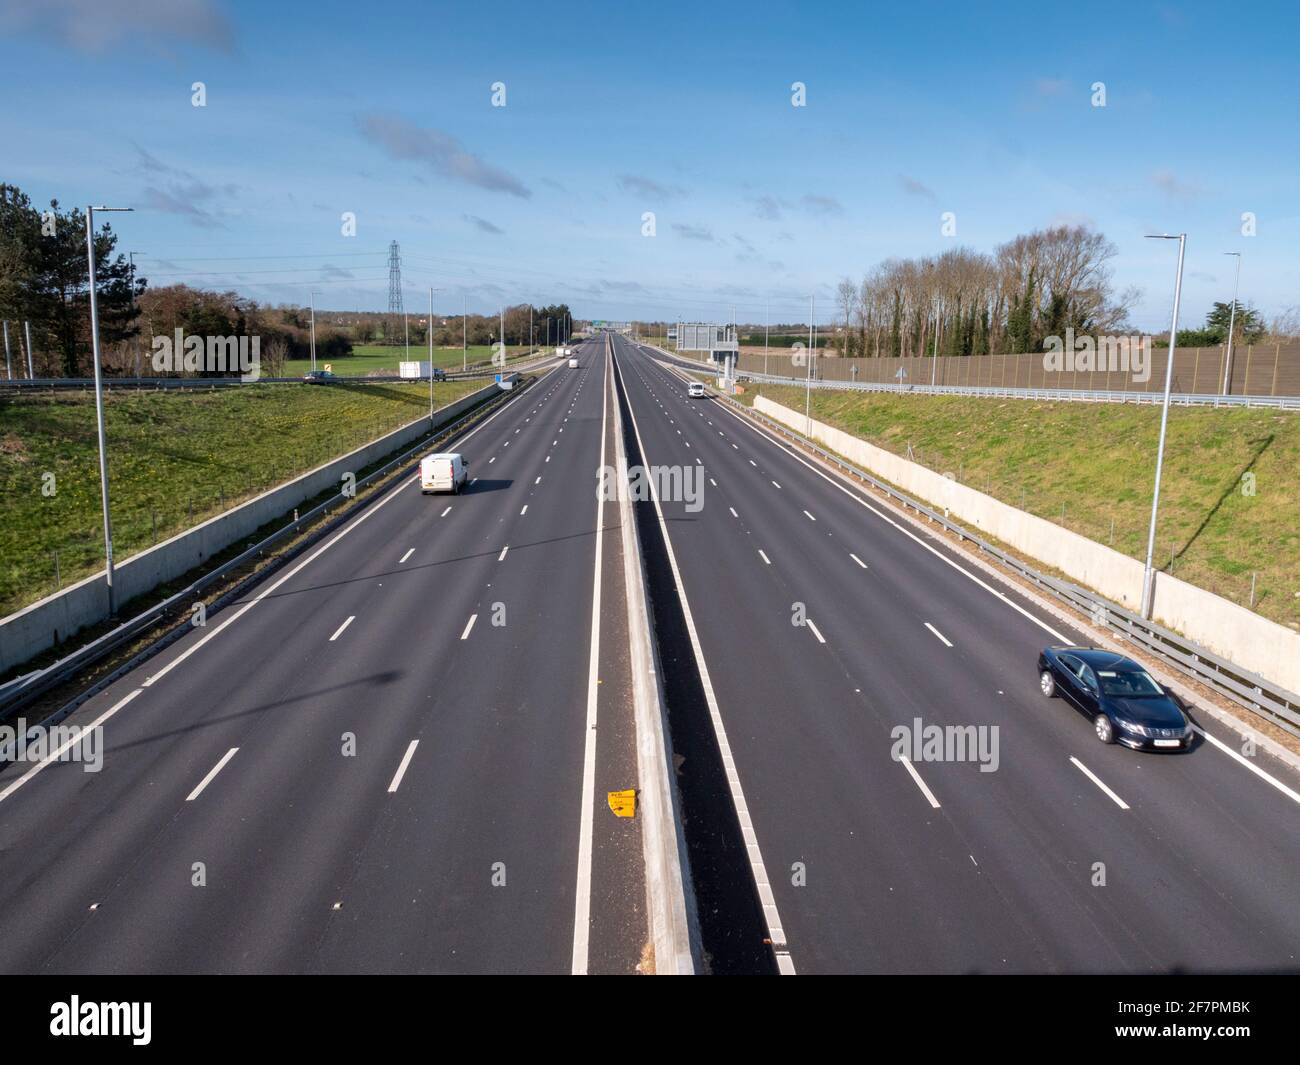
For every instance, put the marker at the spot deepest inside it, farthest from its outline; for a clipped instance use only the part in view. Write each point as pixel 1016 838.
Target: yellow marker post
pixel 623 803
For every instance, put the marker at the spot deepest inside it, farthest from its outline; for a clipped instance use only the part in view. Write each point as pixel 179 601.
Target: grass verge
pixel 175 459
pixel 1228 512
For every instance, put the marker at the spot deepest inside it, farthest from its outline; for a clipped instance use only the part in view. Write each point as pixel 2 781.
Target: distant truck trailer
pixel 417 371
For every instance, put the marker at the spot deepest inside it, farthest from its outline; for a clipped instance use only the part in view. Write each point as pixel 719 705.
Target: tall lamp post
pixel 1148 575
pixel 313 329
pixel 431 292
pixel 99 405
pixel 1232 322
pixel 807 403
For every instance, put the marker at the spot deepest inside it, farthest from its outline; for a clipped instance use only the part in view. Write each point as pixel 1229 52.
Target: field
pixel 175 458
pixel 383 359
pixel 1229 511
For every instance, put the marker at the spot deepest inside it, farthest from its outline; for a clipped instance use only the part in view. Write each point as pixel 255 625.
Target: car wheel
pixel 1047 683
pixel 1104 729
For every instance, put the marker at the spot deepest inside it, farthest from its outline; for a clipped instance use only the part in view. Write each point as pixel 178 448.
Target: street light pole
pixel 99 406
pixel 1232 322
pixel 313 329
pixel 1148 576
pixel 431 292
pixel 934 359
pixel 807 403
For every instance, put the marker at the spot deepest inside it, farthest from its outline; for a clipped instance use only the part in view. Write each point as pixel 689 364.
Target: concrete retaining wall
pixel 43 624
pixel 1238 634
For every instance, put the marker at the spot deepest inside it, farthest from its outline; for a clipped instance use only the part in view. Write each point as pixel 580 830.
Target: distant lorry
pixel 418 370
pixel 443 472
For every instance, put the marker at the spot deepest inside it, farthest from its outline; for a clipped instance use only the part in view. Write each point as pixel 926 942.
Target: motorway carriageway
pixel 374 776
pixel 933 866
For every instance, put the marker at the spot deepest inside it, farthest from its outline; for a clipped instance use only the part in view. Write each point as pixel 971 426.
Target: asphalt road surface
pixel 1070 856
pixel 376 763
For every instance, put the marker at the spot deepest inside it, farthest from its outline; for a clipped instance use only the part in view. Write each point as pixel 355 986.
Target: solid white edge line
pixel 586 820
pixel 211 773
pixel 1288 792
pixel 401 769
pixel 469 625
pixel 339 631
pixel 53 755
pixel 907 764
pixel 946 642
pixel 775 931
pixel 1099 782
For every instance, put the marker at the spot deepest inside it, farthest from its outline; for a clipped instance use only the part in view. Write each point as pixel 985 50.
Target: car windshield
pixel 1128 683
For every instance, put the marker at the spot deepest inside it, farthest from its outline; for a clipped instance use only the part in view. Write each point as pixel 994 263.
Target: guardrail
pixel 1071 395
pixel 1247 689
pixel 40 384
pixel 23 690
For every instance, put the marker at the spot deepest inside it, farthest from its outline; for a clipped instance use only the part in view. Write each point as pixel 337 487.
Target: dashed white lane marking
pixel 753 463
pixel 810 517
pixel 524 511
pixel 857 560
pixel 502 557
pixel 445 513
pixel 339 631
pixel 943 639
pixel 764 556
pixel 1098 781
pixel 778 486
pixel 907 764
pixel 211 773
pixel 406 556
pixel 816 631
pixel 538 481
pixel 469 625
pixel 492 460
pixel 401 769
pixel 733 512
pixel 713 482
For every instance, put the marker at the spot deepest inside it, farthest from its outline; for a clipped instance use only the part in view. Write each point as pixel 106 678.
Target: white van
pixel 446 472
pixel 695 390
pixel 573 364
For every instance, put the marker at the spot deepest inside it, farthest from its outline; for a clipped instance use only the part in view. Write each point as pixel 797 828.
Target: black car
pixel 1123 701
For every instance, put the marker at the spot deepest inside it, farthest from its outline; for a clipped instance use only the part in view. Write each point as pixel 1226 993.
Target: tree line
pixel 966 302
pixel 45 284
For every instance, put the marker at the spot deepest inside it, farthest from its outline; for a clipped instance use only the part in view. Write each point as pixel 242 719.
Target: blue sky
pixel 680 109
